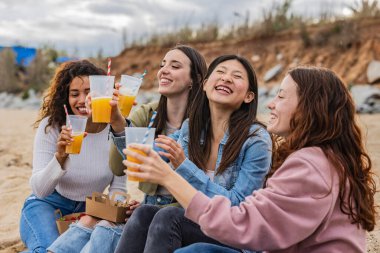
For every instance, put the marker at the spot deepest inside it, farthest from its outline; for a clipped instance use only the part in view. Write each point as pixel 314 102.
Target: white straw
pixel 149 127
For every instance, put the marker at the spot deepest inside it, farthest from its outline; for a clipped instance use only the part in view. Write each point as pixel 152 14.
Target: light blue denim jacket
pixel 240 179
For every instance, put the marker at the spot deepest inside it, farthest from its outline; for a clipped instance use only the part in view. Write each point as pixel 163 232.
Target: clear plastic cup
pixel 137 135
pixel 101 94
pixel 78 126
pixel 129 88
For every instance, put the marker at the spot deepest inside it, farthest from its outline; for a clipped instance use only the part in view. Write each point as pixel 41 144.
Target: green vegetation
pixel 276 19
pixel 342 32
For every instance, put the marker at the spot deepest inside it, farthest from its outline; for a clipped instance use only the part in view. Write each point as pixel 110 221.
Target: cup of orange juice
pixel 129 87
pixel 137 135
pixel 101 94
pixel 78 126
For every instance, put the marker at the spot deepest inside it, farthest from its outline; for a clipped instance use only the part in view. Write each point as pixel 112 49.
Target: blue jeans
pixel 77 238
pixel 202 247
pixel 38 228
pixel 102 238
pixel 159 230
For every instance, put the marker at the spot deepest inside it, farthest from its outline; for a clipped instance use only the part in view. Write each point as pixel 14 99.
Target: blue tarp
pixel 62 59
pixel 24 55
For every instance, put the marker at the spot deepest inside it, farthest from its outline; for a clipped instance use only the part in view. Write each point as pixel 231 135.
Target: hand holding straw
pixel 67 115
pixel 149 127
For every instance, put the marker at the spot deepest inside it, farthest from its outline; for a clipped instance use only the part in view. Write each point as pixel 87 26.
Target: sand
pixel 16 147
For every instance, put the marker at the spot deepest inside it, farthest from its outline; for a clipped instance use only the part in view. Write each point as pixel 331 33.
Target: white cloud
pixel 87 26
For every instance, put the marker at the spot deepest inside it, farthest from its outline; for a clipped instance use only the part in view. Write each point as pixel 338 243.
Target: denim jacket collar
pixel 186 136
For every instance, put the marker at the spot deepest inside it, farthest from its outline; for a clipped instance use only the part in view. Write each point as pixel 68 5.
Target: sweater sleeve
pixel 46 169
pixel 141 116
pixel 297 199
pixel 118 184
pixel 254 167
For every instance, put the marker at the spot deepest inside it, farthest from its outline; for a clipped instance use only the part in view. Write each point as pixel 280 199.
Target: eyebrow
pixel 78 89
pixel 234 71
pixel 172 61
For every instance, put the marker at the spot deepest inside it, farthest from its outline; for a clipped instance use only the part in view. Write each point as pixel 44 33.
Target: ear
pixel 203 84
pixel 249 97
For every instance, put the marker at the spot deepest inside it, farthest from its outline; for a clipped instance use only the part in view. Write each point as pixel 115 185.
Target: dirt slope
pixel 346 47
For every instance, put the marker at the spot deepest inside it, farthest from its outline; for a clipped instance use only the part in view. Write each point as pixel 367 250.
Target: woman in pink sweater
pixel 319 196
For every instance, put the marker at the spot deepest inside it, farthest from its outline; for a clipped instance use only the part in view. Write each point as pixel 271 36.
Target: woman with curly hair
pixel 59 180
pixel 320 194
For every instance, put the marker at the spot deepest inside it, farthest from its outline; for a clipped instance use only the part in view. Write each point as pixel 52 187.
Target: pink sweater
pixel 298 211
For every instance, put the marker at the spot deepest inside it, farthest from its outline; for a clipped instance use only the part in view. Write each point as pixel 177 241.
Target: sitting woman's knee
pixel 88 221
pixel 144 211
pixel 170 212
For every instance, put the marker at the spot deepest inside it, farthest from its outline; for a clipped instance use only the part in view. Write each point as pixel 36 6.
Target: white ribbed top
pixel 82 174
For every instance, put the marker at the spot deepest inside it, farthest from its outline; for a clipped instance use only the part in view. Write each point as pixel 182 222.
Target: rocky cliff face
pixel 347 47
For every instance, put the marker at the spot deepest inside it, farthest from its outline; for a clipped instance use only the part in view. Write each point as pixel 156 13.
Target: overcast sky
pixel 83 27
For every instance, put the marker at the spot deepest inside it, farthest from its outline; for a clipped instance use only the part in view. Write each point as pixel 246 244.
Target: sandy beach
pixel 16 146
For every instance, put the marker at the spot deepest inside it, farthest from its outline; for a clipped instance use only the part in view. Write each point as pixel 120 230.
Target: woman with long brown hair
pixel 221 150
pixel 181 73
pixel 320 195
pixel 59 180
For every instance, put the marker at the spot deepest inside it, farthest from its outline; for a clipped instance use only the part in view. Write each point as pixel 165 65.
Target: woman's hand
pixel 117 120
pixel 88 104
pixel 153 168
pixel 132 205
pixel 64 139
pixel 174 151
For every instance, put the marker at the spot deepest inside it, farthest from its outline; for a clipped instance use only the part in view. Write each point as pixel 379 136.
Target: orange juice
pixel 74 147
pixel 134 160
pixel 101 109
pixel 125 104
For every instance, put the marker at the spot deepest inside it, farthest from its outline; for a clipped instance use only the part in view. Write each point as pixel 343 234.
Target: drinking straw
pixel 67 115
pixel 109 67
pixel 143 74
pixel 149 127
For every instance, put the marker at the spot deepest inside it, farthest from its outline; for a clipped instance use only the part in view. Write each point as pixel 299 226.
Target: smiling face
pixel 79 88
pixel 228 85
pixel 174 75
pixel 282 107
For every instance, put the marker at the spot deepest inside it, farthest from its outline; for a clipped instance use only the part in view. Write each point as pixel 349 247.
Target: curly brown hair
pixel 325 118
pixel 58 92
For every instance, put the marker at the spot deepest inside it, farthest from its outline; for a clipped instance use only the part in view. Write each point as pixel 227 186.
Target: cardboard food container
pixel 63 222
pixel 101 206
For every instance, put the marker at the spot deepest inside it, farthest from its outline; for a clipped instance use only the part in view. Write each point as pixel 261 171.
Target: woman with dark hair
pixel 181 74
pixel 228 150
pixel 59 180
pixel 320 194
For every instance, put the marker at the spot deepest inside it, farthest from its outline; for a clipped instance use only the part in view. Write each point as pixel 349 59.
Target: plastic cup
pixel 136 135
pixel 129 88
pixel 101 94
pixel 78 126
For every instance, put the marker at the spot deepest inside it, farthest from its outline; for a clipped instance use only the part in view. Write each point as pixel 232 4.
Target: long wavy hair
pixel 238 126
pixel 58 92
pixel 325 118
pixel 198 69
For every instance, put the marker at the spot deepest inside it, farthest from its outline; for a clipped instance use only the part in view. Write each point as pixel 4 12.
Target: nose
pixel 226 77
pixel 271 105
pixel 164 70
pixel 82 98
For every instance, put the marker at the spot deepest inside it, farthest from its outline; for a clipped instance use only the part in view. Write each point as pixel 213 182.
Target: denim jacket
pixel 240 179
